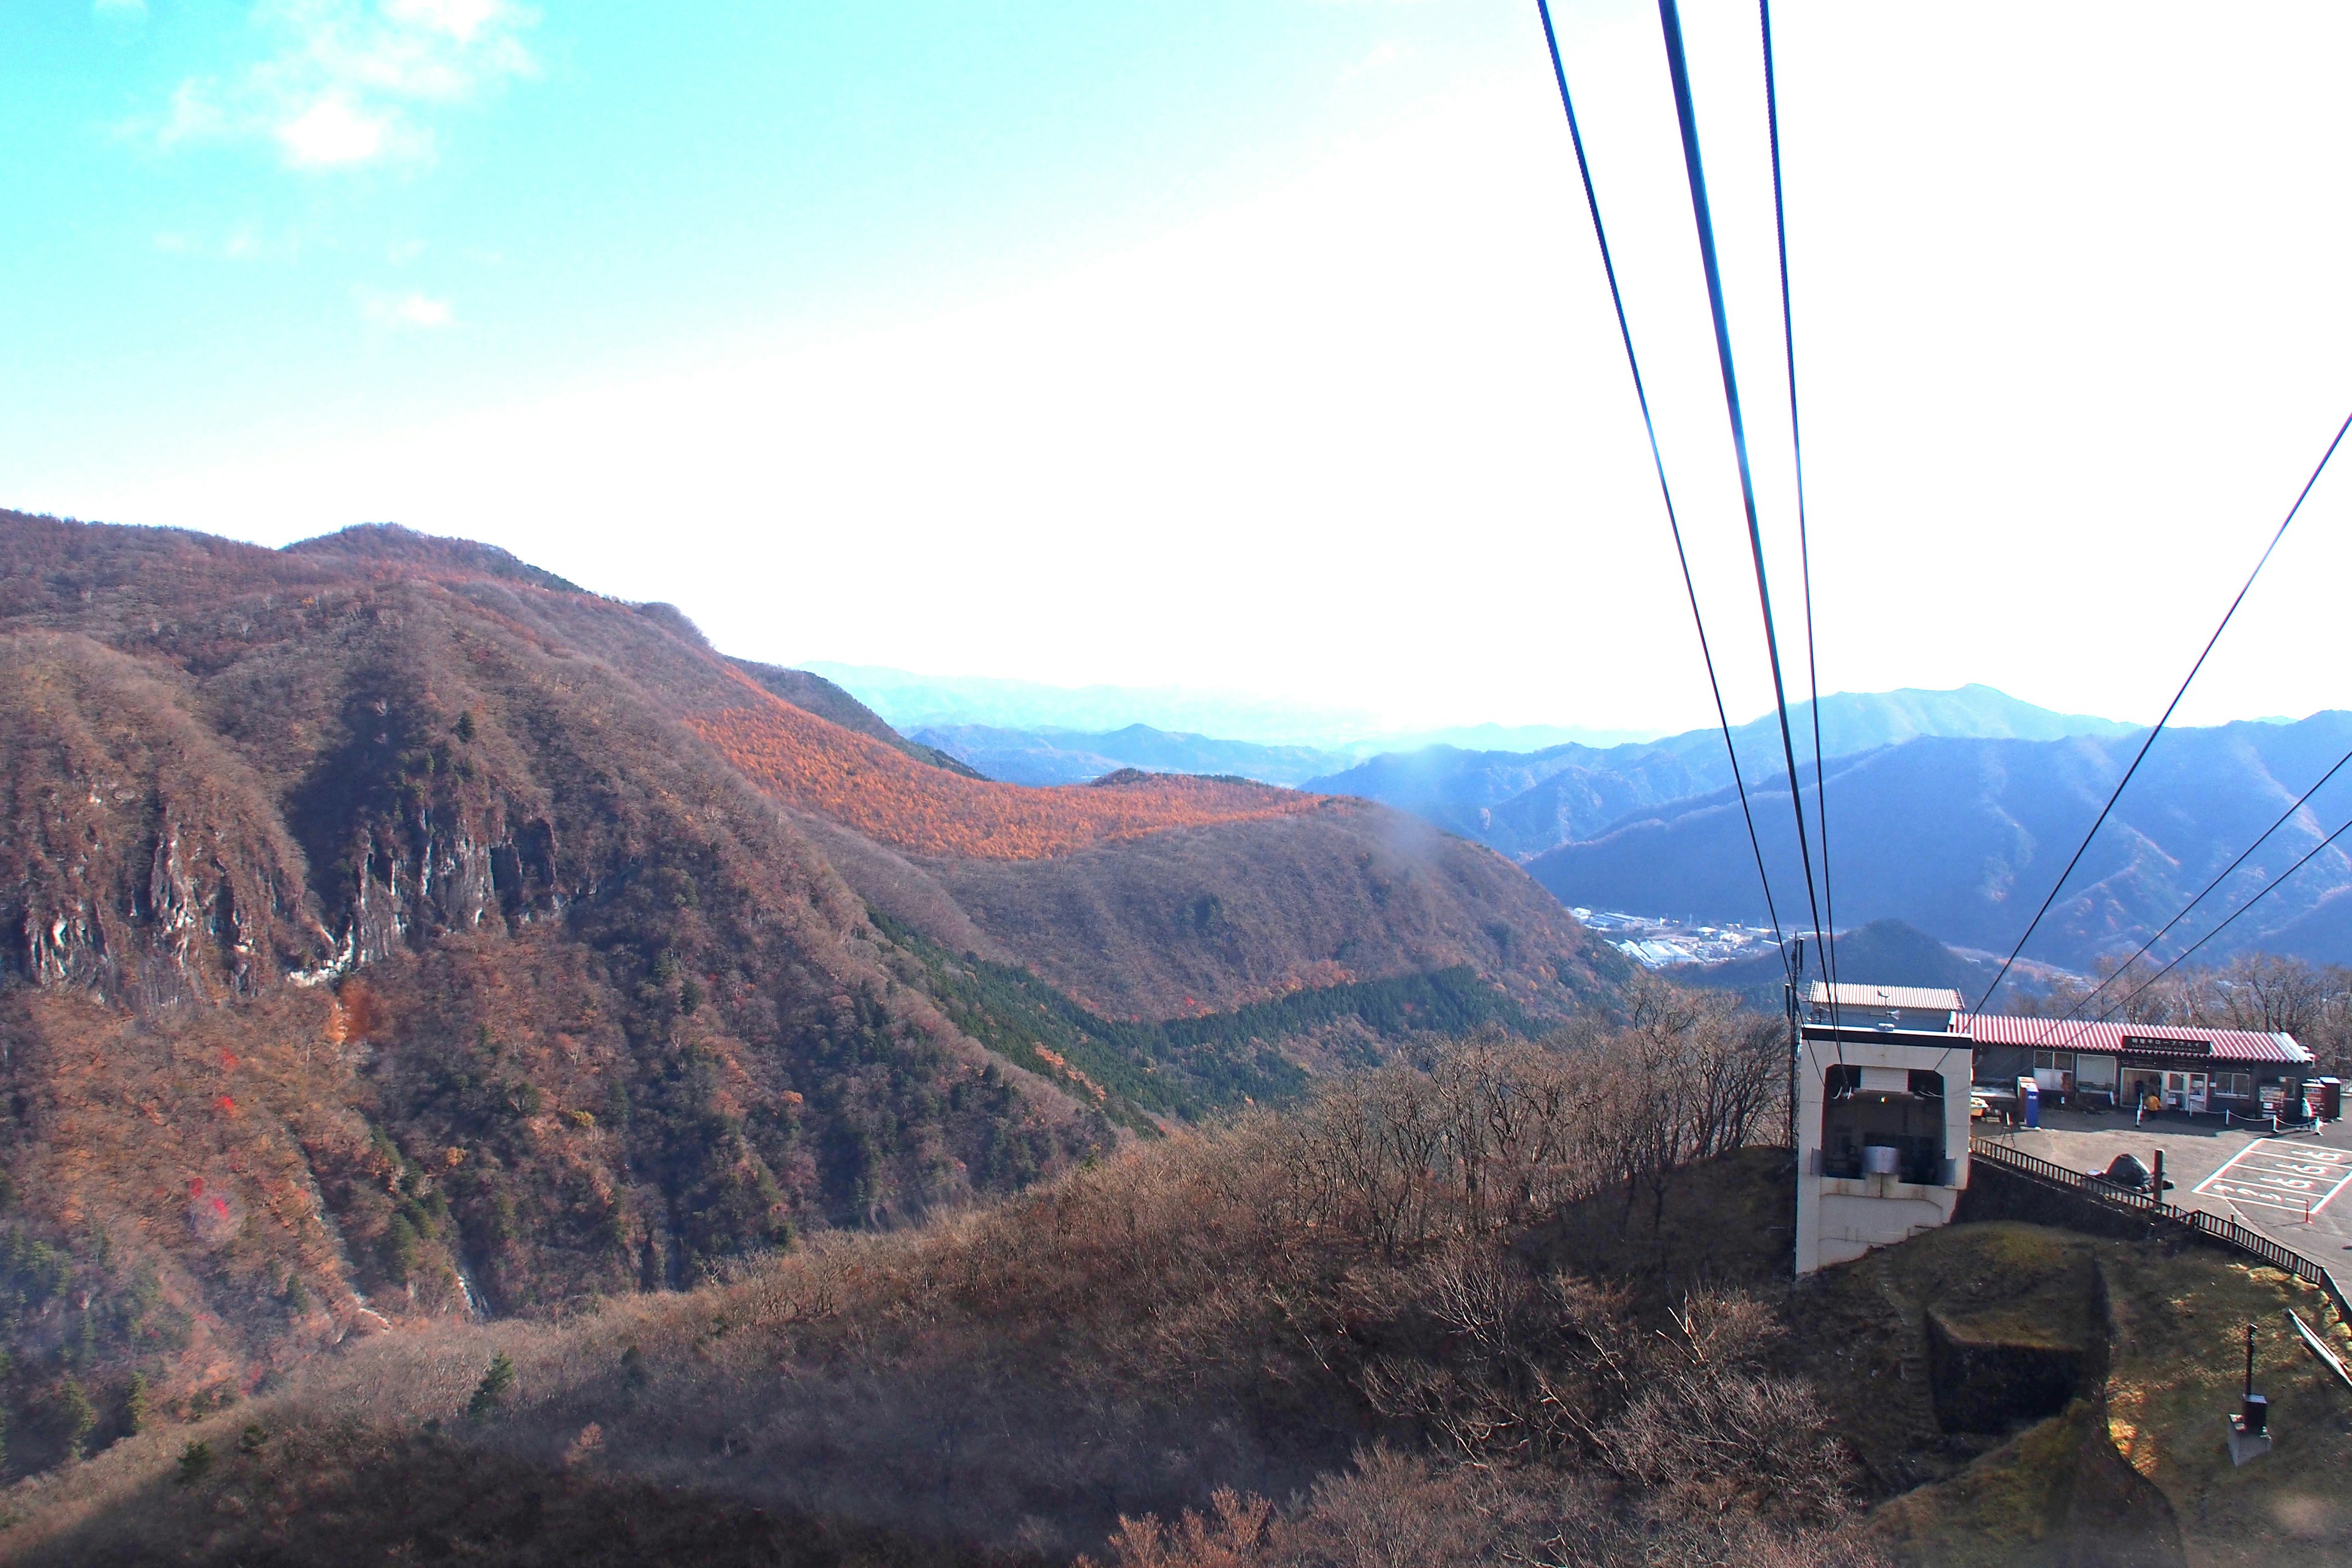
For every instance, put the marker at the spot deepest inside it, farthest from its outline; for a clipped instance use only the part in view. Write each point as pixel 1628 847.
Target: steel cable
pixel 1678 70
pixel 1665 492
pixel 1827 935
pixel 2057 887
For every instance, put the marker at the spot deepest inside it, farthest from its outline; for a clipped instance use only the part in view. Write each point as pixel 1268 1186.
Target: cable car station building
pixel 2200 1071
pixel 1883 1089
pixel 1883 1076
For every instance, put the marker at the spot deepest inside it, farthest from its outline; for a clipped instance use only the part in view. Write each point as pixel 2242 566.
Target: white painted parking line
pixel 2272 1173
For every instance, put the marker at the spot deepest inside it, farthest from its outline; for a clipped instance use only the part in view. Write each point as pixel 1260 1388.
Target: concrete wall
pixel 1839 1218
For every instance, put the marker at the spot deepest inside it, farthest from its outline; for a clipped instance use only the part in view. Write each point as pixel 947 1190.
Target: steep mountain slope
pixel 388 928
pixel 1216 919
pixel 602 1018
pixel 815 694
pixel 1526 802
pixel 1962 838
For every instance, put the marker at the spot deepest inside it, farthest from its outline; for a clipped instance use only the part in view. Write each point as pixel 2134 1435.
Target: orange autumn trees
pixel 823 768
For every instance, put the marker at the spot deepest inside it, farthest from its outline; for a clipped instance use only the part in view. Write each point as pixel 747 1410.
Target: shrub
pixel 196 1460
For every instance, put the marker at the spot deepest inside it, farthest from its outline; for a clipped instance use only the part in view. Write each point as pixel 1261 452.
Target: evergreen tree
pixel 493 1391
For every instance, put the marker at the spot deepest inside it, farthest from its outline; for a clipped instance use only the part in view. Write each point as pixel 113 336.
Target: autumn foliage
pixel 887 795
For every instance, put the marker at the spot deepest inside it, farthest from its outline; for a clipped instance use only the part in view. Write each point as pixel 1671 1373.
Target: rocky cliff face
pixel 140 861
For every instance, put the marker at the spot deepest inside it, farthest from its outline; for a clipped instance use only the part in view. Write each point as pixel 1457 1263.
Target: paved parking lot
pixel 2237 1173
pixel 2297 1178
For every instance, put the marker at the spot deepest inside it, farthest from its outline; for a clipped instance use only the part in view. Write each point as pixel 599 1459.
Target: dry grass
pixel 2140 1463
pixel 1244 1310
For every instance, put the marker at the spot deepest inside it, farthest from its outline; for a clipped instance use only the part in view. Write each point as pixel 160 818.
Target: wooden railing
pixel 2210 1226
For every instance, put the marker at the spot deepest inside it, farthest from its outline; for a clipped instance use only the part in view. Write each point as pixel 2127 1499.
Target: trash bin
pixel 2330 1106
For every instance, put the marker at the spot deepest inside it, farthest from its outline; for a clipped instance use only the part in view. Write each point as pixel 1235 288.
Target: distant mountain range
pixel 1963 836
pixel 1074 756
pixel 910 703
pixel 1526 802
pixel 1950 810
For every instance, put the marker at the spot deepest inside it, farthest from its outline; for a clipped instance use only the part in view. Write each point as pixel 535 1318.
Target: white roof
pixel 1920 998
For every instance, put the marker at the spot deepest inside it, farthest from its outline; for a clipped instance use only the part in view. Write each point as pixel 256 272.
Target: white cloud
pixel 411 309
pixel 332 131
pixel 348 82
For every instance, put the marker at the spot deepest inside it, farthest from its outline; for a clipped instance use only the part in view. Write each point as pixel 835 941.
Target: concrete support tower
pixel 1882 1119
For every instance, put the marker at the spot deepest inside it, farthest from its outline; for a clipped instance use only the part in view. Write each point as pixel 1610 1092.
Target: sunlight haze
pixel 1260 347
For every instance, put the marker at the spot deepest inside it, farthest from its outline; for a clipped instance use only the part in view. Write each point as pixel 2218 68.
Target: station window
pixel 2234 1084
pixel 2061 1060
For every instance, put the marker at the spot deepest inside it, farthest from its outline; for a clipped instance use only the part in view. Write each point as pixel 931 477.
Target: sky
pixel 1255 345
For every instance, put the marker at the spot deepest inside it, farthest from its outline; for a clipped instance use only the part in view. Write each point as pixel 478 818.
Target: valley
pixel 1058 786
pixel 483 1066
pixel 1656 824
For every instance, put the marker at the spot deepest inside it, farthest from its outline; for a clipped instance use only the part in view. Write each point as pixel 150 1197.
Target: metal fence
pixel 2210 1226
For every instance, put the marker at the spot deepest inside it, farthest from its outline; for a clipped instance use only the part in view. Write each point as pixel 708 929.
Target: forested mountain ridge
pixel 388 927
pixel 1963 837
pixel 815 694
pixel 1526 802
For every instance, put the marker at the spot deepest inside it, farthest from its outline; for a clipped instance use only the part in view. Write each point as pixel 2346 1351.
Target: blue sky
pixel 1252 345
pixel 262 214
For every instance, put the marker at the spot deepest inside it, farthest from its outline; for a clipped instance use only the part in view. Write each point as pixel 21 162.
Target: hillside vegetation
pixel 882 793
pixel 1524 803
pixel 380 944
pixel 1338 1309
pixel 1514 1303
pixel 2008 814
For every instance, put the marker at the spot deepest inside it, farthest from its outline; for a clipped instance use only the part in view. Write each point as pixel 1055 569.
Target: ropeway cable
pixel 1678 69
pixel 2160 724
pixel 1665 492
pixel 2268 888
pixel 2124 968
pixel 1828 933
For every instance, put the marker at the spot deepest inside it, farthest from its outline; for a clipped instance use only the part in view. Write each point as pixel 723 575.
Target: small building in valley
pixel 2200 1071
pixel 1883 1076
